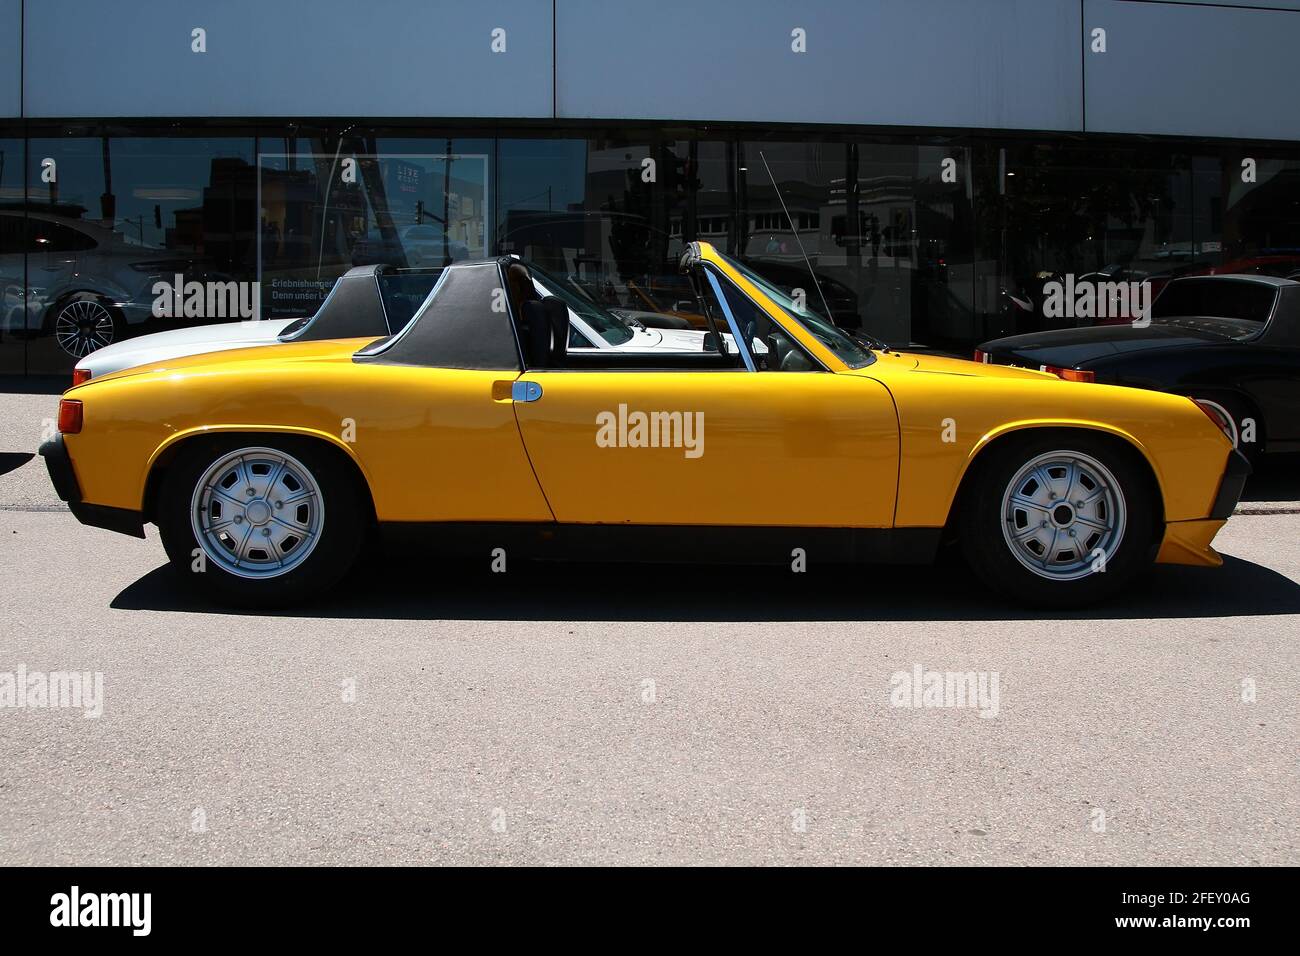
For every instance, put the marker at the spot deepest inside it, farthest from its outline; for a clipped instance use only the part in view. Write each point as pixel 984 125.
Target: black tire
pixel 1243 415
pixel 83 323
pixel 993 557
pixel 345 517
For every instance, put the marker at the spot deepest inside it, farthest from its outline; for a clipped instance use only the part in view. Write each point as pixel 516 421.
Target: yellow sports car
pixel 774 437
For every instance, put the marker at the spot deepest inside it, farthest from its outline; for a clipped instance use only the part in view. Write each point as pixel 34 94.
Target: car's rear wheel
pixel 84 324
pixel 1059 519
pixel 260 523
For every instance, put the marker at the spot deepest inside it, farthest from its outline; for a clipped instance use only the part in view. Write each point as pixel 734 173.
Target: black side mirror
pixel 557 316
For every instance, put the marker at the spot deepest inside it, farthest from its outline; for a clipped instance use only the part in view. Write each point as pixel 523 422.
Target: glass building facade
pixel 935 239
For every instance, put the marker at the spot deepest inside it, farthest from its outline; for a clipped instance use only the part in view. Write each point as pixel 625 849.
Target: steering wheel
pixel 795 361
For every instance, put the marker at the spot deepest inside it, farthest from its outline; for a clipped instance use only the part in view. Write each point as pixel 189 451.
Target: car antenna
pixel 830 316
pixel 320 255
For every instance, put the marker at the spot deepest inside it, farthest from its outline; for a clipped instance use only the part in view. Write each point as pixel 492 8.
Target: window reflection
pixel 109 216
pixel 924 241
pixel 331 202
pixel 1049 211
pixel 13 259
pixel 610 225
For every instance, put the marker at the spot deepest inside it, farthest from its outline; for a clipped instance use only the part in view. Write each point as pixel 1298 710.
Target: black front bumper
pixel 1231 485
pixel 64 478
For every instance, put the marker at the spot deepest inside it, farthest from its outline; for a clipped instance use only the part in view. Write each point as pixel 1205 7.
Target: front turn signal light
pixel 1071 374
pixel 1219 415
pixel 69 416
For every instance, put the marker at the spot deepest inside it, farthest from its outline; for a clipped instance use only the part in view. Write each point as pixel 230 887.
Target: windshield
pixel 603 322
pixel 851 353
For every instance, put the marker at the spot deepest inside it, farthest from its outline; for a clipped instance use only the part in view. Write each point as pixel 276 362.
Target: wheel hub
pixel 257 512
pixel 1063 515
pixel 1062 512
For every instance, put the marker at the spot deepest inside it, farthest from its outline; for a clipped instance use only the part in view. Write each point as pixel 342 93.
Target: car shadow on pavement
pixel 624 592
pixel 1276 478
pixel 11 460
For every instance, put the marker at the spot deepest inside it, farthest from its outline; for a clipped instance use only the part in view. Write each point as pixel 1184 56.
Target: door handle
pixel 525 391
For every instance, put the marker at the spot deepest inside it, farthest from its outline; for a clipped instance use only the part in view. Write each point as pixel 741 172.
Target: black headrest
pixel 521 283
pixel 546 332
pixel 557 317
pixel 536 334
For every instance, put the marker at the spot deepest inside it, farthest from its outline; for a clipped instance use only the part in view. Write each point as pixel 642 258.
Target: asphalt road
pixel 508 718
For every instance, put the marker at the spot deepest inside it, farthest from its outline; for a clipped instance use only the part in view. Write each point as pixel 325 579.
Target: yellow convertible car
pixel 770 437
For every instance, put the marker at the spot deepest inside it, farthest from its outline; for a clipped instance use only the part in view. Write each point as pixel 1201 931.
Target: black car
pixel 1232 340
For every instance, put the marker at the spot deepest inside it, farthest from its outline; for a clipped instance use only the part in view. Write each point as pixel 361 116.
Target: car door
pixel 711 447
pixel 432 415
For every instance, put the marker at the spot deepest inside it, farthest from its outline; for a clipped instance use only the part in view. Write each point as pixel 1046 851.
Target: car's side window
pixel 771 347
pixel 403 292
pixel 53 237
pixel 598 338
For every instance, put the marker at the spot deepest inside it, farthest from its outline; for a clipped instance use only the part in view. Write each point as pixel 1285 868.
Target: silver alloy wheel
pixel 1062 512
pixel 257 513
pixel 83 327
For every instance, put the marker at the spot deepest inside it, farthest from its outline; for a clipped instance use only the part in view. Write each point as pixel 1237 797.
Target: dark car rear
pixel 1189 312
pixel 1233 341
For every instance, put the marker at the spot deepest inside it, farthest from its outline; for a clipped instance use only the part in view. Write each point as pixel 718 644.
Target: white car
pixel 89 287
pixel 178 343
pixel 356 306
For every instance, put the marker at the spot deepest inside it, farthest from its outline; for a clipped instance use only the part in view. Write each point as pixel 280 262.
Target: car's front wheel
pixel 1059 520
pixel 260 524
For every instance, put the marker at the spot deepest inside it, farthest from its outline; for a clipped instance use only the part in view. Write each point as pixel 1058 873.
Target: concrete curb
pixel 1268 508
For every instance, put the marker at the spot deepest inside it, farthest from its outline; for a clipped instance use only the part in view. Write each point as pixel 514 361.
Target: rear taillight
pixel 1219 415
pixel 984 357
pixel 1070 374
pixel 69 416
pixel 80 376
